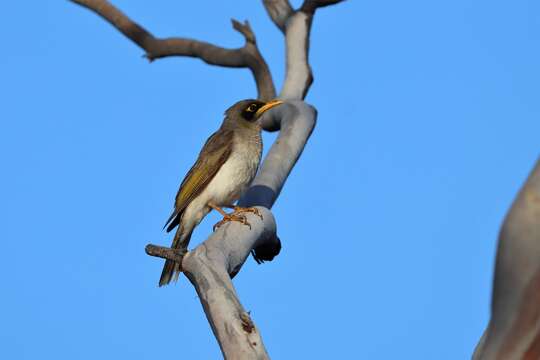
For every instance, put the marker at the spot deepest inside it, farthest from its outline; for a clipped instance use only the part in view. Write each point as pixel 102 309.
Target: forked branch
pixel 247 56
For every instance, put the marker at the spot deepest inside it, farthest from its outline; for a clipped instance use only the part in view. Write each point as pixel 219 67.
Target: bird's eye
pixel 252 108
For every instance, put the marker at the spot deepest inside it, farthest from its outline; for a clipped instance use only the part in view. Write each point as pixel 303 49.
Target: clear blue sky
pixel 429 121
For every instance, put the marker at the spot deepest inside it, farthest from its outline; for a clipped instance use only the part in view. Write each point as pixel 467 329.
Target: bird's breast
pixel 237 172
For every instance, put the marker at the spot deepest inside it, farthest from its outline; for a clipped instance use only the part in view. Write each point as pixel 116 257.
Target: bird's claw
pixel 237 215
pixel 253 210
pixel 232 217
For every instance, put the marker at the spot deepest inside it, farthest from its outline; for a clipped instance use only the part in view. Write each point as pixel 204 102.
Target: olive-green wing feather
pixel 213 155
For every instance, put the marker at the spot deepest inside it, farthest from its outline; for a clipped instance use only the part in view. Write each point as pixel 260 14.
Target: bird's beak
pixel 268 106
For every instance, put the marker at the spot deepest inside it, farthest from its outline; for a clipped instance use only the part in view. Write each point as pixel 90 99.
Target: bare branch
pixel 247 56
pixel 255 61
pixel 210 267
pixel 279 11
pixel 165 253
pixel 514 328
pixel 298 75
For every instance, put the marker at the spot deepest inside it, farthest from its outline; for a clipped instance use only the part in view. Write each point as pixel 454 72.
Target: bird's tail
pixel 171 269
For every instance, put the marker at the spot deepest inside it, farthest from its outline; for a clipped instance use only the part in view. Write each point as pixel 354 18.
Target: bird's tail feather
pixel 171 269
pixel 173 220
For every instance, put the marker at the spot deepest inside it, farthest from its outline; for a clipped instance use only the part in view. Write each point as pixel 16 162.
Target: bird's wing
pixel 213 155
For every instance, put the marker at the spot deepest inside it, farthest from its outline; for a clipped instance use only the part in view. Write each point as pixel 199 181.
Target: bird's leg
pixel 218 209
pixel 240 210
pixel 228 217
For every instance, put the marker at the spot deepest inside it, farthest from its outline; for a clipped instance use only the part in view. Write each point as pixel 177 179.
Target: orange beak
pixel 268 106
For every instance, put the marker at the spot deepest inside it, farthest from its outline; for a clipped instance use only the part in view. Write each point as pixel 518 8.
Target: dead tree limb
pixel 513 331
pixel 212 264
pixel 296 25
pixel 247 56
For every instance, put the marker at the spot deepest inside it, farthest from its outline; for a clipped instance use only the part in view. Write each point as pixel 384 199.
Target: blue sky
pixel 428 125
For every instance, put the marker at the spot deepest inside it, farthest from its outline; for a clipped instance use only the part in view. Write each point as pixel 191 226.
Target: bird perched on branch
pixel 225 167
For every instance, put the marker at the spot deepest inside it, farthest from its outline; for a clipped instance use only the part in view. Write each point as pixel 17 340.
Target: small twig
pixel 244 29
pixel 165 253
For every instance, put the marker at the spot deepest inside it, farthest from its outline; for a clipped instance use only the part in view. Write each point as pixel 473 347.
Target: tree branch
pixel 297 26
pixel 298 75
pixel 155 48
pixel 514 328
pixel 165 253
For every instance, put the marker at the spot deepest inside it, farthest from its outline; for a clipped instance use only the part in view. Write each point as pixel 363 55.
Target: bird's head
pixel 249 111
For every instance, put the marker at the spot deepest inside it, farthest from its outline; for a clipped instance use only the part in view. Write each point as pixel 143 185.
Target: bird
pixel 222 172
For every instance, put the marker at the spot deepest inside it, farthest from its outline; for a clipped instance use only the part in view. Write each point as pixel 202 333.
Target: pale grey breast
pixel 237 172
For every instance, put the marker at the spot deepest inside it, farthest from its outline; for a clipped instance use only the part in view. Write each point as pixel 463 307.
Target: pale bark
pixel 279 11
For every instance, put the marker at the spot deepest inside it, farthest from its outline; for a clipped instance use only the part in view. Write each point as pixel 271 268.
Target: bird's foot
pixel 233 217
pixel 253 210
